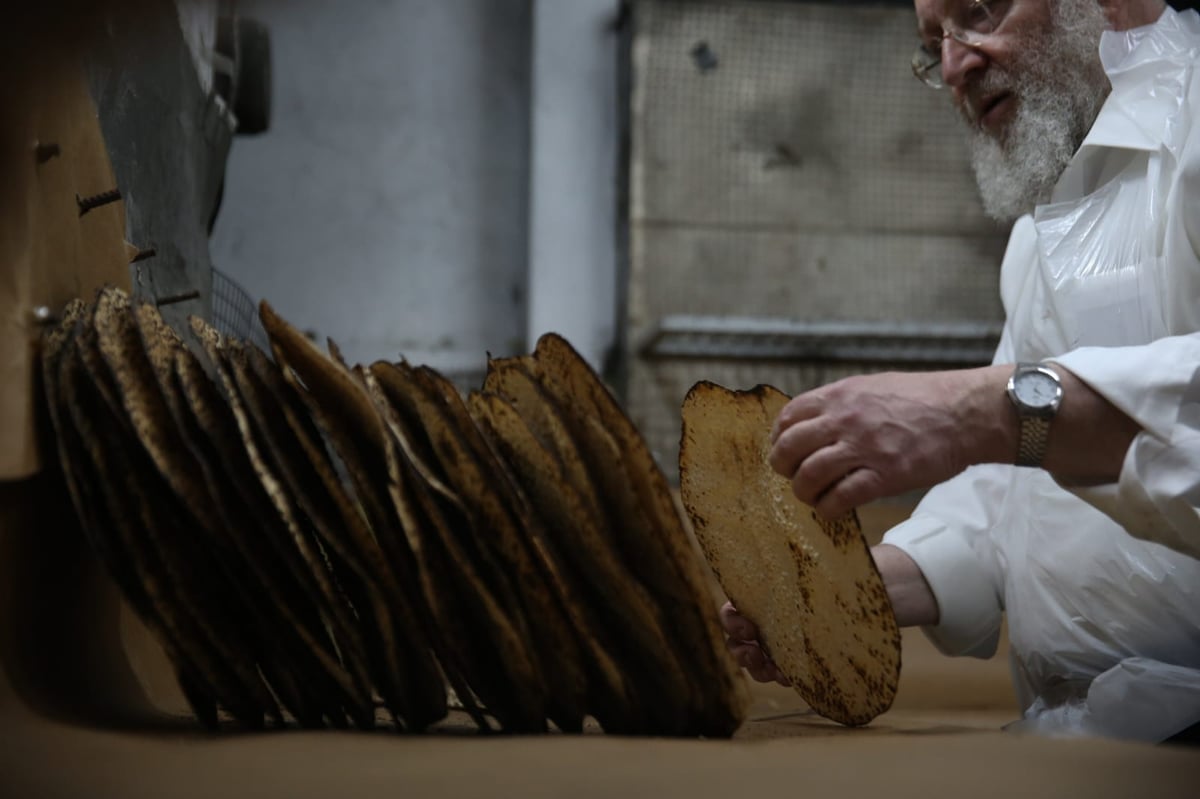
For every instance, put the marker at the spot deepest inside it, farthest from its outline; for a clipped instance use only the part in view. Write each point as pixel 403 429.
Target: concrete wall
pixel 441 179
pixel 787 165
pixel 574 172
pixel 387 205
pixel 396 204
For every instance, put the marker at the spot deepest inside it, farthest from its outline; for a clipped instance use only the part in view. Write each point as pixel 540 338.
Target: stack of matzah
pixel 312 541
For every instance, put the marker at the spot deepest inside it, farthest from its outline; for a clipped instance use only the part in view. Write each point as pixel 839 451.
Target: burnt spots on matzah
pixel 805 564
pixel 811 587
pixel 650 532
pixel 309 549
pixel 843 532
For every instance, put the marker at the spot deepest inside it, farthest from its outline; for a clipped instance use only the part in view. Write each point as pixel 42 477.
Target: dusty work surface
pixel 942 737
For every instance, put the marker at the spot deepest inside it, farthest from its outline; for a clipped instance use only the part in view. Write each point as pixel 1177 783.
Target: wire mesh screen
pixel 235 312
pixel 786 165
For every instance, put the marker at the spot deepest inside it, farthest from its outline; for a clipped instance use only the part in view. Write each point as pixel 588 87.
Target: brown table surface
pixel 942 736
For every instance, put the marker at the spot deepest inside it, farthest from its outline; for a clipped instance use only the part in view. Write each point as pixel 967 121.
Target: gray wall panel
pixel 818 275
pixel 810 118
pixel 387 207
pixel 786 164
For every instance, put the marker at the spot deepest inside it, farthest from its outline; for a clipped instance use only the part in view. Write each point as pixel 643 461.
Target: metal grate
pixel 234 311
pixel 801 208
pixel 764 339
pixel 788 165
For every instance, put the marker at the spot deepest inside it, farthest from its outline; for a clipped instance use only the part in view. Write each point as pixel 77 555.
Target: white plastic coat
pixel 1101 585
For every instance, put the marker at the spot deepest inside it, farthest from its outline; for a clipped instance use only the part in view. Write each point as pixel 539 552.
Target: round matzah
pixel 499 667
pixel 809 585
pixel 647 527
pixel 343 411
pixel 573 539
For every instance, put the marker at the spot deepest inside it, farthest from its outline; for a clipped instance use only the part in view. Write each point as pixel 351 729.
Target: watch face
pixel 1036 389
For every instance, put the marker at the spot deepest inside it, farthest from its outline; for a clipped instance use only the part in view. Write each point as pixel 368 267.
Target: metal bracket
pixel 757 338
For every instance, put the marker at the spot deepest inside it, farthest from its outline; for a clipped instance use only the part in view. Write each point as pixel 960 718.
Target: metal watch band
pixel 1034 434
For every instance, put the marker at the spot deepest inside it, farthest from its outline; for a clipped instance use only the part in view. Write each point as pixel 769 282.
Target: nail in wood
pixel 174 298
pixel 96 200
pixel 42 315
pixel 44 151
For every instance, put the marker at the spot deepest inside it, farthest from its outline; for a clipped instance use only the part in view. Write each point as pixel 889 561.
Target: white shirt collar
pixel 1147 67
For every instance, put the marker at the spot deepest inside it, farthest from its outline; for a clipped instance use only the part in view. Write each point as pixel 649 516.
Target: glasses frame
pixel 980 20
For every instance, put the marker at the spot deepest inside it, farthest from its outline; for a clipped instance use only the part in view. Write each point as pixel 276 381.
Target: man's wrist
pixel 912 599
pixel 988 416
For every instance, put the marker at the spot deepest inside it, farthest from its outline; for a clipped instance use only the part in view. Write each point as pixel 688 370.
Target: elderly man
pixel 1069 470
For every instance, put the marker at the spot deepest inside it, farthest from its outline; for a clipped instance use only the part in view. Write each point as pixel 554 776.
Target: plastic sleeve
pixel 949 539
pixel 1157 496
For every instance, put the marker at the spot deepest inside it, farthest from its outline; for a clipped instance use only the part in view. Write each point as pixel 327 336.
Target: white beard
pixel 1059 89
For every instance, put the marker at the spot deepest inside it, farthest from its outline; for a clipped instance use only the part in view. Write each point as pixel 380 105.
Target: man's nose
pixel 958 60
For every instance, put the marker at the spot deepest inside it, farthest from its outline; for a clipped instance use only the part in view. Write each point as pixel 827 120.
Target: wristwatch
pixel 1036 392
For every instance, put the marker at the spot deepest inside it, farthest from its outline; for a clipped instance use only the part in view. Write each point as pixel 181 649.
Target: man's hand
pixel 873 436
pixel 912 602
pixel 742 640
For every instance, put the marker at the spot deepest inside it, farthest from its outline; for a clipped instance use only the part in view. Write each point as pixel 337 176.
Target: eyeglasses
pixel 975 21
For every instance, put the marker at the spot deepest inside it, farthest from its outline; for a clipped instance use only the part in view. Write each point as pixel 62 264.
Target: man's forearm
pixel 912 599
pixel 1088 438
pixel 861 438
